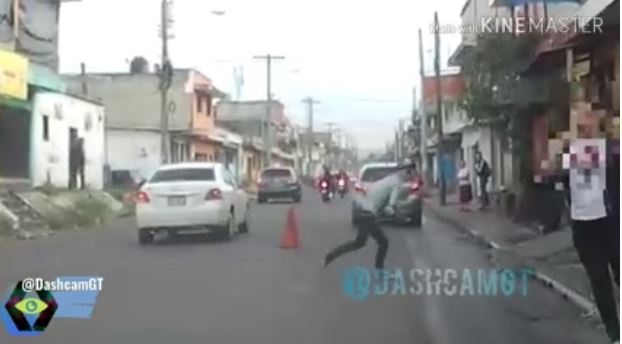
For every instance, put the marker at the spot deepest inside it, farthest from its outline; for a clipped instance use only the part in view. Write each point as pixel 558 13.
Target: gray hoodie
pixel 381 194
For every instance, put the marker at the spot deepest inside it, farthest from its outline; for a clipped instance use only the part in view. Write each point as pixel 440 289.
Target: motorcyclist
pixel 343 176
pixel 327 177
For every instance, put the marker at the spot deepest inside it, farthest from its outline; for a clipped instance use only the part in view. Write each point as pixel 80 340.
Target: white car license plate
pixel 176 201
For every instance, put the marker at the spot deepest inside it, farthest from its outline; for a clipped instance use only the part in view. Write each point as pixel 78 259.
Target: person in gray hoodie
pixel 379 199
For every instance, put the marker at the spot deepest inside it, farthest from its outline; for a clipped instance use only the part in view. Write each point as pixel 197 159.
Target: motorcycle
pixel 341 187
pixel 327 194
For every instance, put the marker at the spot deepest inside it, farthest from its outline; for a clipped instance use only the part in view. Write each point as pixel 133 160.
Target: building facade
pixel 55 118
pixel 132 103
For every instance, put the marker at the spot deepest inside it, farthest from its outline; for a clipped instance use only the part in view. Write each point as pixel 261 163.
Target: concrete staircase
pixel 28 224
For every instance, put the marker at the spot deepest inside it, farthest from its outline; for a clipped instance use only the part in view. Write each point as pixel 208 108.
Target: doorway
pixel 14 143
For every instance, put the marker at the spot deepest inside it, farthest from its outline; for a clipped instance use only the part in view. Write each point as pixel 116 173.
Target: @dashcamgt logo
pixel 32 303
pixel 29 315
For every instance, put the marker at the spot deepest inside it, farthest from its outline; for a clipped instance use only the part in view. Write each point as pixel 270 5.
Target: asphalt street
pixel 204 290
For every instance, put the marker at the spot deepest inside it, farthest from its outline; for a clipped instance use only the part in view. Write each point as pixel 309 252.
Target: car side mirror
pixel 142 182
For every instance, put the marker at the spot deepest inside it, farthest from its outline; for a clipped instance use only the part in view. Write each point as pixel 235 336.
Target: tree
pixel 139 65
pixel 492 72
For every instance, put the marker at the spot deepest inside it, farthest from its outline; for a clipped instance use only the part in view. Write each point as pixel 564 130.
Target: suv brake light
pixel 213 194
pixel 142 197
pixel 416 186
pixel 358 187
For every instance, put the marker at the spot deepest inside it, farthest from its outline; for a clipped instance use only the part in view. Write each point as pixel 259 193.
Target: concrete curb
pixel 580 301
pixel 462 228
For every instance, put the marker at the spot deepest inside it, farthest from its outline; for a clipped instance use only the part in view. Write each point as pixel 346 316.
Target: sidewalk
pixel 551 256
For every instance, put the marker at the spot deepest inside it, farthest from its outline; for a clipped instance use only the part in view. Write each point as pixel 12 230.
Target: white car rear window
pixel 183 174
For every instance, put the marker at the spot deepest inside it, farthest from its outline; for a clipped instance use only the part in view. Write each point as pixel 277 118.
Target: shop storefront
pixel 15 109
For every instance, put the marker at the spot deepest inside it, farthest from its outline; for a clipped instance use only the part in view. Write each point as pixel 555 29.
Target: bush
pixel 59 220
pixel 88 211
pixel 5 226
pixel 48 189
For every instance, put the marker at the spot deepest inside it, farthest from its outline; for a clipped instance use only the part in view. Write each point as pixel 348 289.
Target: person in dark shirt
pixel 76 164
pixel 483 172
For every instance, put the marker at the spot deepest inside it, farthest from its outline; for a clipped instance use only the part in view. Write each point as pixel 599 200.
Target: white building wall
pixel 50 156
pixel 137 151
pixel 454 118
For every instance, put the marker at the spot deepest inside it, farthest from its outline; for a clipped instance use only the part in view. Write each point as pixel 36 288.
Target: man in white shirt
pixel 596 235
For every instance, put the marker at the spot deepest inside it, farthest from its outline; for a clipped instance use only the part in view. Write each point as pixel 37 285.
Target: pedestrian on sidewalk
pixel 483 172
pixel 379 199
pixel 464 187
pixel 594 211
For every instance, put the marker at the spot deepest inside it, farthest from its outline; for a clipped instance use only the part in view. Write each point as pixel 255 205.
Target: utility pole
pixel 424 118
pixel 330 126
pixel 402 138
pixel 310 137
pixel 166 74
pixel 439 110
pixel 265 127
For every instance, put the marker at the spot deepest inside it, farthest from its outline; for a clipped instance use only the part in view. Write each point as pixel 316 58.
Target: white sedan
pixel 191 198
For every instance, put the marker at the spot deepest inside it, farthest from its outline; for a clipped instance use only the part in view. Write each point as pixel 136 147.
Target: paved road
pixel 250 291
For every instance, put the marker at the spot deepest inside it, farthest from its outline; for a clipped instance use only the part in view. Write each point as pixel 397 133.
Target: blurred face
pixel 462 164
pixel 478 156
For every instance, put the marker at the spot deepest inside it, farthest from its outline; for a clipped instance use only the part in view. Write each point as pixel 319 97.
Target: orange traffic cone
pixel 289 239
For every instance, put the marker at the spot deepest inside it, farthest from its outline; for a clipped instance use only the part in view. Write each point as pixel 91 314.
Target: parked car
pixel 279 182
pixel 191 198
pixel 408 207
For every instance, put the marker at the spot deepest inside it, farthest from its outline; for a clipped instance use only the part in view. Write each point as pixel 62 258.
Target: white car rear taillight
pixel 142 197
pixel 213 194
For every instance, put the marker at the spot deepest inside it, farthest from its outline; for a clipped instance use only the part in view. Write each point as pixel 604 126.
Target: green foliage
pixel 88 211
pixel 490 69
pixel 48 189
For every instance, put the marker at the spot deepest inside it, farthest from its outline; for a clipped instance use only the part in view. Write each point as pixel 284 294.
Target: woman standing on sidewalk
pixel 464 186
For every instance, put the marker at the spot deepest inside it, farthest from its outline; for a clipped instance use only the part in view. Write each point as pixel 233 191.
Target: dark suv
pixel 408 208
pixel 277 183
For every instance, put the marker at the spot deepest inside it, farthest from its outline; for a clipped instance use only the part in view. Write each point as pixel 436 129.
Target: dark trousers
pixel 76 173
pixel 366 228
pixel 598 246
pixel 483 182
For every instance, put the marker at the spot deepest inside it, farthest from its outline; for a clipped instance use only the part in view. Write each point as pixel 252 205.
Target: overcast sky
pixel 358 58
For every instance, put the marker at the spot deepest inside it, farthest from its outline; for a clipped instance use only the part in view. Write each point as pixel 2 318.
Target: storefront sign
pixel 13 75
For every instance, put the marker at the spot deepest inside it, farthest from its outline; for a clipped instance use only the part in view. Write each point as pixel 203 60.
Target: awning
pixel 15 103
pixel 552 47
pixel 43 77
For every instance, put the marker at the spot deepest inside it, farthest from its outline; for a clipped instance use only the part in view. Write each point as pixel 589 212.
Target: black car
pixel 279 183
